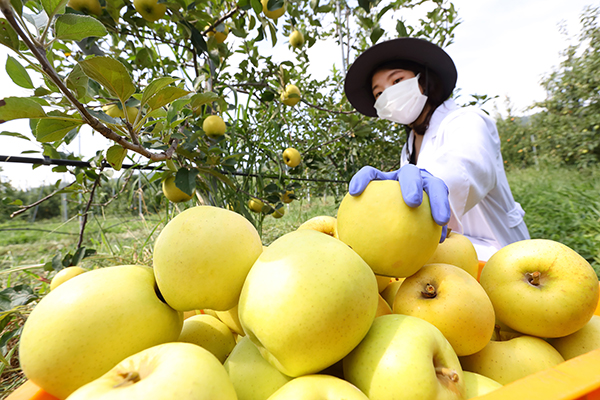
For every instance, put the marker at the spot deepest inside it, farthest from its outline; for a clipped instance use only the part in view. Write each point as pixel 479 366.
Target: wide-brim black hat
pixel 358 79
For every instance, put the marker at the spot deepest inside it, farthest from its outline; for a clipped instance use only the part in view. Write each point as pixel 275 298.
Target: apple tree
pixel 146 75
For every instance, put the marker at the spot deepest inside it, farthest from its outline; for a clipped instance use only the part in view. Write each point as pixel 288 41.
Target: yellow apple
pixel 451 299
pixel 383 308
pixel 202 256
pixel 272 14
pixel 220 33
pixel 253 377
pixel 173 193
pixel 150 10
pixel 291 157
pixel 214 126
pixel 86 6
pixel 382 282
pixel 113 110
pixel 291 95
pixel 393 238
pixel 296 39
pixel 405 357
pixel 231 319
pixel 389 293
pixel 322 387
pixel 181 371
pixel 209 333
pixel 307 302
pixel 541 288
pixel 512 358
pixel 278 213
pixel 321 223
pixel 457 250
pixel 478 385
pixel 191 313
pixel 87 325
pixel 584 340
pixel 64 275
pixel 255 205
pixel 288 196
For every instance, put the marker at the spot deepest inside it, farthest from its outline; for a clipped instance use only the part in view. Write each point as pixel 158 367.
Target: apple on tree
pixel 86 6
pixel 150 10
pixel 291 95
pixel 181 371
pixel 278 212
pixel 214 126
pixel 307 302
pixel 270 12
pixel 255 205
pixel 541 287
pixel 88 324
pixel 451 299
pixel 291 157
pixel 173 193
pixel 296 39
pixel 405 355
pixel 220 33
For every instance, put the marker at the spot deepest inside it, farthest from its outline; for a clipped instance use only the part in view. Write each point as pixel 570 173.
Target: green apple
pixel 584 340
pixel 322 387
pixel 296 39
pixel 321 223
pixel 214 126
pixel 272 14
pixel 307 302
pixel 181 371
pixel 86 6
pixel 478 385
pixel 64 275
pixel 457 250
pixel 202 256
pixel 231 319
pixel 290 96
pixel 291 157
pixel 173 193
pixel 209 333
pixel 511 358
pixel 393 238
pixel 452 300
pixel 541 288
pixel 253 377
pixel 405 357
pixel 150 10
pixel 84 327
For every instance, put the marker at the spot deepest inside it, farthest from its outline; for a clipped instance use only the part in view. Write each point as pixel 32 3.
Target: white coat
pixel 462 147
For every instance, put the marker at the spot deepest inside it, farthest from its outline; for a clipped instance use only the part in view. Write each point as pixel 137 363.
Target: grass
pixel 560 204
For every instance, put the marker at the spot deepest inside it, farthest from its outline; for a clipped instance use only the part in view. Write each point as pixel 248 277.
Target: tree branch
pixel 43 199
pixel 88 205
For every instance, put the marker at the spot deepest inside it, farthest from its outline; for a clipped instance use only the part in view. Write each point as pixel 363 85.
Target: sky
pixel 501 48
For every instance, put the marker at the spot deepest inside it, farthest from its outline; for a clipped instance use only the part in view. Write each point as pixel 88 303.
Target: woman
pixel 409 81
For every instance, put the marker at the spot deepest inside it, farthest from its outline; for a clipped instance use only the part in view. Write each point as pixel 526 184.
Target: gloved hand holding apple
pixel 413 181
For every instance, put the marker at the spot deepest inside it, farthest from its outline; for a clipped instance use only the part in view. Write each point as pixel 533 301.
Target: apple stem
pixel 429 291
pixel 534 278
pixel 128 378
pixel 448 373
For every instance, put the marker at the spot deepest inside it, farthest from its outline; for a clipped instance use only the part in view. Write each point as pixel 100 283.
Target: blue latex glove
pixel 412 183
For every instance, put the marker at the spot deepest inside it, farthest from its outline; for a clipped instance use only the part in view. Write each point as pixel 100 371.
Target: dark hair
pixel 429 81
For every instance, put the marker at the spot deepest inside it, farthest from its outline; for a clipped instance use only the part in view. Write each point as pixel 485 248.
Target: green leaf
pixel 20 107
pixel 8 36
pixel 219 176
pixel 51 130
pixel 78 27
pixel 77 81
pixel 401 29
pixel 14 134
pixel 154 87
pixel 18 73
pixel 15 296
pixel 111 74
pixel 256 6
pixel 376 34
pixel 115 156
pixel 53 7
pixel 201 99
pixel 185 180
pixel 165 96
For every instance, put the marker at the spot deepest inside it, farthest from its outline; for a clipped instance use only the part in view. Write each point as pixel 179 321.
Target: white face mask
pixel 402 102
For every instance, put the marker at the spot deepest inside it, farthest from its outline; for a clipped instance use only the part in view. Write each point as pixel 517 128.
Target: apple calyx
pixel 429 292
pixel 533 278
pixel 447 373
pixel 129 378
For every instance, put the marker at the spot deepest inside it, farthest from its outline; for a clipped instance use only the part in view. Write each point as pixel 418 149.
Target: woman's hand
pixel 413 181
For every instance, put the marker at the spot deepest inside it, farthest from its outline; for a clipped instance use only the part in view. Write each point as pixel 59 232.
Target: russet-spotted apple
pixel 584 340
pixel 393 238
pixel 87 325
pixel 541 287
pixel 307 302
pixel 405 357
pixel 202 256
pixel 181 371
pixel 452 300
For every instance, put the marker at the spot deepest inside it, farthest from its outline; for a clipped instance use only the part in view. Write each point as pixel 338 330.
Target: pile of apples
pixel 367 305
